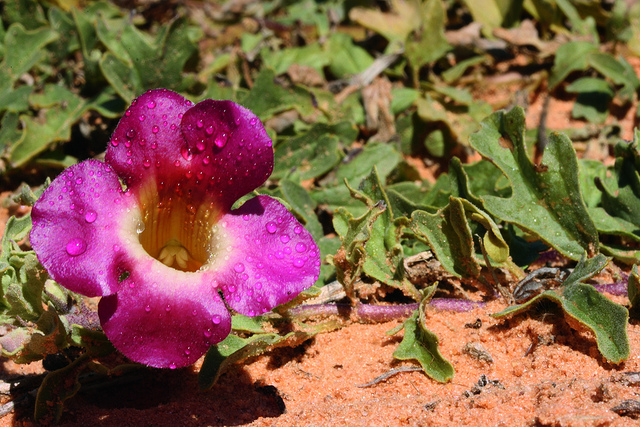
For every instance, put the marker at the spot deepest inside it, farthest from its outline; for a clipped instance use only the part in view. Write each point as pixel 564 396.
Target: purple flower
pixel 151 229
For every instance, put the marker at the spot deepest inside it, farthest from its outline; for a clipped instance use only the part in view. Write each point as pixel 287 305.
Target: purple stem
pixel 380 313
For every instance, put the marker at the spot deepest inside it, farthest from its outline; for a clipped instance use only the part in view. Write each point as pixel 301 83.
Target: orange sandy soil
pixel 543 373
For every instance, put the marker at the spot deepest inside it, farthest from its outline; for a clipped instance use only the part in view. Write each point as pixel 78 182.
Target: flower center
pixel 175 231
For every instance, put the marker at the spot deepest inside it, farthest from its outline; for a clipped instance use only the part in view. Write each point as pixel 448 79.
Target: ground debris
pixel 628 408
pixel 389 374
pixel 477 351
pixel 481 384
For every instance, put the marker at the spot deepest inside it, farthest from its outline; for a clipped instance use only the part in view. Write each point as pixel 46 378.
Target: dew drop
pixel 140 227
pixel 167 308
pixel 301 247
pixel 258 285
pixel 279 255
pixel 207 333
pixel 297 229
pixel 253 121
pixel 187 352
pixel 209 130
pixel 246 217
pixel 287 250
pixel 151 105
pixel 285 238
pixel 221 140
pixel 206 160
pixel 141 118
pixel 147 308
pixel 90 216
pixel 298 262
pixel 199 124
pixel 216 319
pixel 271 227
pixel 239 267
pixel 146 163
pixel 129 161
pixel 201 145
pixel 114 142
pixel 131 133
pixel 76 246
pixel 186 153
pixel 155 129
pixel 172 365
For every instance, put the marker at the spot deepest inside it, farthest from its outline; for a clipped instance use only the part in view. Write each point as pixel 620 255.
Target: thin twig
pixel 390 373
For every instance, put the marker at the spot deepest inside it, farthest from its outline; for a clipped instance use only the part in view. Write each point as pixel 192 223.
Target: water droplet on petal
pixel 253 121
pixel 239 267
pixel 114 142
pixel 167 308
pixel 258 285
pixel 131 133
pixel 199 124
pixel 90 216
pixel 187 352
pixel 298 262
pixel 232 289
pixel 301 247
pixel 147 308
pixel 151 105
pixel 146 163
pixel 271 227
pixel 297 229
pixel 155 129
pixel 207 333
pixel 201 145
pixel 76 246
pixel 221 140
pixel 186 153
pixel 216 319
pixel 285 238
pixel 209 130
pixel 140 227
pixel 141 118
pixel 206 160
pixel 172 365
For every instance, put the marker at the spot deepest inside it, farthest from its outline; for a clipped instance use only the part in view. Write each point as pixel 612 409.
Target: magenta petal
pixel 75 228
pixel 273 258
pixel 148 138
pixel 164 318
pixel 228 148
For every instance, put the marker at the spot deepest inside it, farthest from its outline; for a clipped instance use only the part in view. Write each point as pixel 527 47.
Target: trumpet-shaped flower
pixel 151 229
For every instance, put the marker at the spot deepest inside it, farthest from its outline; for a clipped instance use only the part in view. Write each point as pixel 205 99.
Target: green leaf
pixel 571 56
pixel 621 197
pixel 346 58
pixel 303 206
pixel 16 62
pixel 586 308
pixel 57 387
pixel 383 258
pixel 494 13
pixel 137 63
pixel 313 153
pixel 383 156
pixel 267 99
pixel 429 43
pixel 420 344
pixel 546 199
pixel 449 235
pixel 594 96
pixel 234 349
pixel 61 109
pixel 243 323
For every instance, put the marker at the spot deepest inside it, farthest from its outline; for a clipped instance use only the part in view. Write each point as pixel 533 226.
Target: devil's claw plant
pixel 152 230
